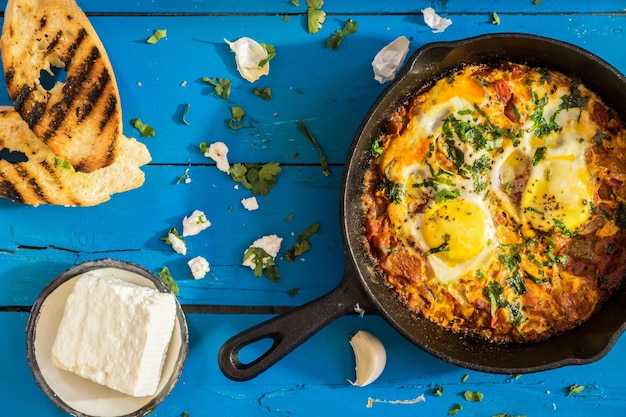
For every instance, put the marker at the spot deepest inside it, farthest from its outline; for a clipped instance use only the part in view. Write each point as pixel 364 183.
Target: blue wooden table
pixel 330 90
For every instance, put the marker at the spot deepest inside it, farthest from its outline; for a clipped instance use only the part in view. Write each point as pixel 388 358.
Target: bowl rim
pixel 73 272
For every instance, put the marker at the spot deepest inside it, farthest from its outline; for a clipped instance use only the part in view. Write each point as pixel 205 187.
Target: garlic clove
pixel 248 56
pixel 370 357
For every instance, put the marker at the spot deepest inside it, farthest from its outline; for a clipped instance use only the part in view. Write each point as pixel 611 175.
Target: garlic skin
pixel 248 54
pixel 370 357
pixel 437 23
pixel 388 60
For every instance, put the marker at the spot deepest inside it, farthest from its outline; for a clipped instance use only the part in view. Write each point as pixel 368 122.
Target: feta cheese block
pixel 115 333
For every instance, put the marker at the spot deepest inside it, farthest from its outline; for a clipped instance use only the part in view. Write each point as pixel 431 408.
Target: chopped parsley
pixel 455 409
pixel 157 36
pixel 393 191
pixel 444 247
pixel 271 53
pixel 237 115
pixel 446 194
pixel 315 15
pixel 144 129
pixel 302 243
pixel 166 276
pixel 185 111
pixel 323 159
pixel 473 396
pixel 542 127
pixel 539 155
pixel 376 148
pixel 335 40
pixel 574 389
pixel 61 163
pixel 564 230
pixel 600 136
pixel 575 99
pixel 264 93
pixel 263 263
pixel 259 178
pixel 437 391
pixel 222 86
pixel 495 19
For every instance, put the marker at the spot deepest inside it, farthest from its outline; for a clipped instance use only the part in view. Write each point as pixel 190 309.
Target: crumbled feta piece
pixel 389 59
pixel 178 244
pixel 199 267
pixel 115 333
pixel 437 23
pixel 195 223
pixel 250 203
pixel 270 244
pixel 218 152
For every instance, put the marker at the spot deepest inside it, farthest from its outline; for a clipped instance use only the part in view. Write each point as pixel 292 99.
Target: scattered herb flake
pixel 495 19
pixel 437 391
pixel 222 86
pixel 315 15
pixel 264 93
pixel 183 177
pixel 166 276
pixel 323 160
pixel 237 114
pixel 302 243
pixel 144 129
pixel 464 377
pixel 289 218
pixel 263 263
pixel 157 36
pixel 293 292
pixel 334 41
pixel 574 389
pixel 473 396
pixel 455 409
pixel 259 178
pixel 61 163
pixel 271 53
pixel 185 111
pixel 295 2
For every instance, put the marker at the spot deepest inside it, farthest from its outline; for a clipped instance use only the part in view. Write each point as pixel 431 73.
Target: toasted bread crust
pixel 79 120
pixel 37 176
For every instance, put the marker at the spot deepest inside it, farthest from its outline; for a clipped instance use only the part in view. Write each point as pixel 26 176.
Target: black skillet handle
pixel 290 330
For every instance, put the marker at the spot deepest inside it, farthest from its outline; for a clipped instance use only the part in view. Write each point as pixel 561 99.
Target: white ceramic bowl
pixel 78 396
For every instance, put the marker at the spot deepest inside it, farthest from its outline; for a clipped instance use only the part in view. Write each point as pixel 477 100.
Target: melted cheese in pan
pixel 491 186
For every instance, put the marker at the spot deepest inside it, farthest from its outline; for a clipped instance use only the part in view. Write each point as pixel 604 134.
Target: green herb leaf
pixel 495 19
pixel 203 147
pixel 540 155
pixel 256 177
pixel 446 194
pixel 437 391
pixel 465 377
pixel 335 40
pixel 62 163
pixel 271 53
pixel 237 114
pixel 293 292
pixel 473 396
pixel 376 148
pixel 455 409
pixel 185 111
pixel 444 247
pixel 263 263
pixel 157 36
pixel 265 93
pixel 166 276
pixel 393 190
pixel 144 129
pixel 175 232
pixel 315 16
pixel 323 160
pixel 222 86
pixel 302 243
pixel 574 389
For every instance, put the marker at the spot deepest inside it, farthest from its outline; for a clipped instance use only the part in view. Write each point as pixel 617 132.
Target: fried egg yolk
pixel 455 230
pixel 557 194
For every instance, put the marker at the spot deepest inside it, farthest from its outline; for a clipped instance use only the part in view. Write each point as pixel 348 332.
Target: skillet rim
pixel 584 344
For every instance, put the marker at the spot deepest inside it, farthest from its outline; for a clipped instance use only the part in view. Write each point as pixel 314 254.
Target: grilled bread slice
pixel 79 119
pixel 31 173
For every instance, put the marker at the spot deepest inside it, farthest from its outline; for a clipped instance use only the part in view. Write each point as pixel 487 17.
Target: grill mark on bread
pixel 9 74
pixel 71 89
pixel 8 189
pixel 54 42
pixel 94 95
pixel 71 50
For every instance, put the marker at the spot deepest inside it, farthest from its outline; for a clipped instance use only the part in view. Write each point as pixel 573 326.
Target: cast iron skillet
pixel 361 285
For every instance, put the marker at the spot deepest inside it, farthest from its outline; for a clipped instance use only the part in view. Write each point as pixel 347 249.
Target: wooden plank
pixel 313 379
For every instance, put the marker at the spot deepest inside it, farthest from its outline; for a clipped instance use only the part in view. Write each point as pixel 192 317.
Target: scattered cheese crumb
pixel 178 244
pixel 199 267
pixel 270 244
pixel 359 310
pixel 218 152
pixel 437 23
pixel 250 203
pixel 183 84
pixel 195 223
